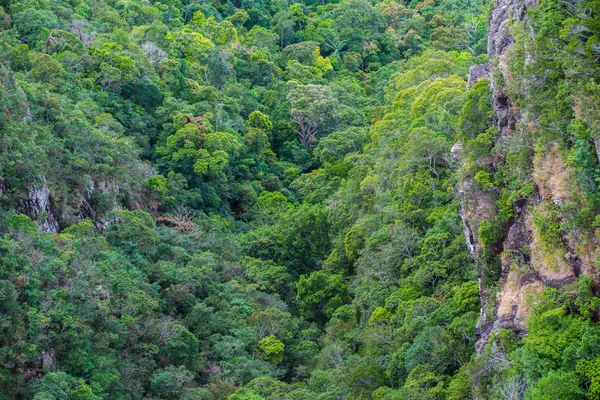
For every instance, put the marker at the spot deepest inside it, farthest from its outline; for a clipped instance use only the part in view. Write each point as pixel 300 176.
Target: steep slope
pixel 529 195
pixel 251 200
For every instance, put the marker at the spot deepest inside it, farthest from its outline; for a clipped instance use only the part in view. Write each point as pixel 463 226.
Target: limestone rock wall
pixel 527 264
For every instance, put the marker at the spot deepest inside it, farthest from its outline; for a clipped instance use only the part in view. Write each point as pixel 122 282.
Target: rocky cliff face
pixel 33 177
pixel 52 215
pixel 39 206
pixel 526 261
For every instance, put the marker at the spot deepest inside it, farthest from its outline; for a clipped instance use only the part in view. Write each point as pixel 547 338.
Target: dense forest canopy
pixel 260 199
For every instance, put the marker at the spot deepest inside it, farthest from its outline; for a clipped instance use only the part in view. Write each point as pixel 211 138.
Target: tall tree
pixel 311 106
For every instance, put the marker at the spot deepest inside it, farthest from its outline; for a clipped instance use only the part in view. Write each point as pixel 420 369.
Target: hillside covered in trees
pixel 261 199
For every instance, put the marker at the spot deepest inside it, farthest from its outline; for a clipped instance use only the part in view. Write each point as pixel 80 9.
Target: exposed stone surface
pixel 528 265
pixel 499 42
pixel 93 201
pixel 87 209
pixel 551 176
pixel 39 206
pixel 499 37
pixel 508 308
pixel 477 73
pixel 597 146
pixel 49 360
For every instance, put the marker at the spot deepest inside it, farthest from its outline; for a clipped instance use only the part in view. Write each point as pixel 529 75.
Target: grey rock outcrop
pixel 526 264
pixel 477 73
pixel 39 206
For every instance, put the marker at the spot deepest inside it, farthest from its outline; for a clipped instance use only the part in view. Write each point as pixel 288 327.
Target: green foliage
pixel 459 387
pixel 244 394
pixel 133 232
pixel 272 348
pixel 590 369
pixel 170 383
pixel 256 200
pixel 181 347
pixel 490 233
pixel 477 111
pixel 320 294
pixel 258 120
pixel 270 277
pixel 557 385
pixel 547 224
pixel 466 297
pixel 379 316
pixel 484 179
